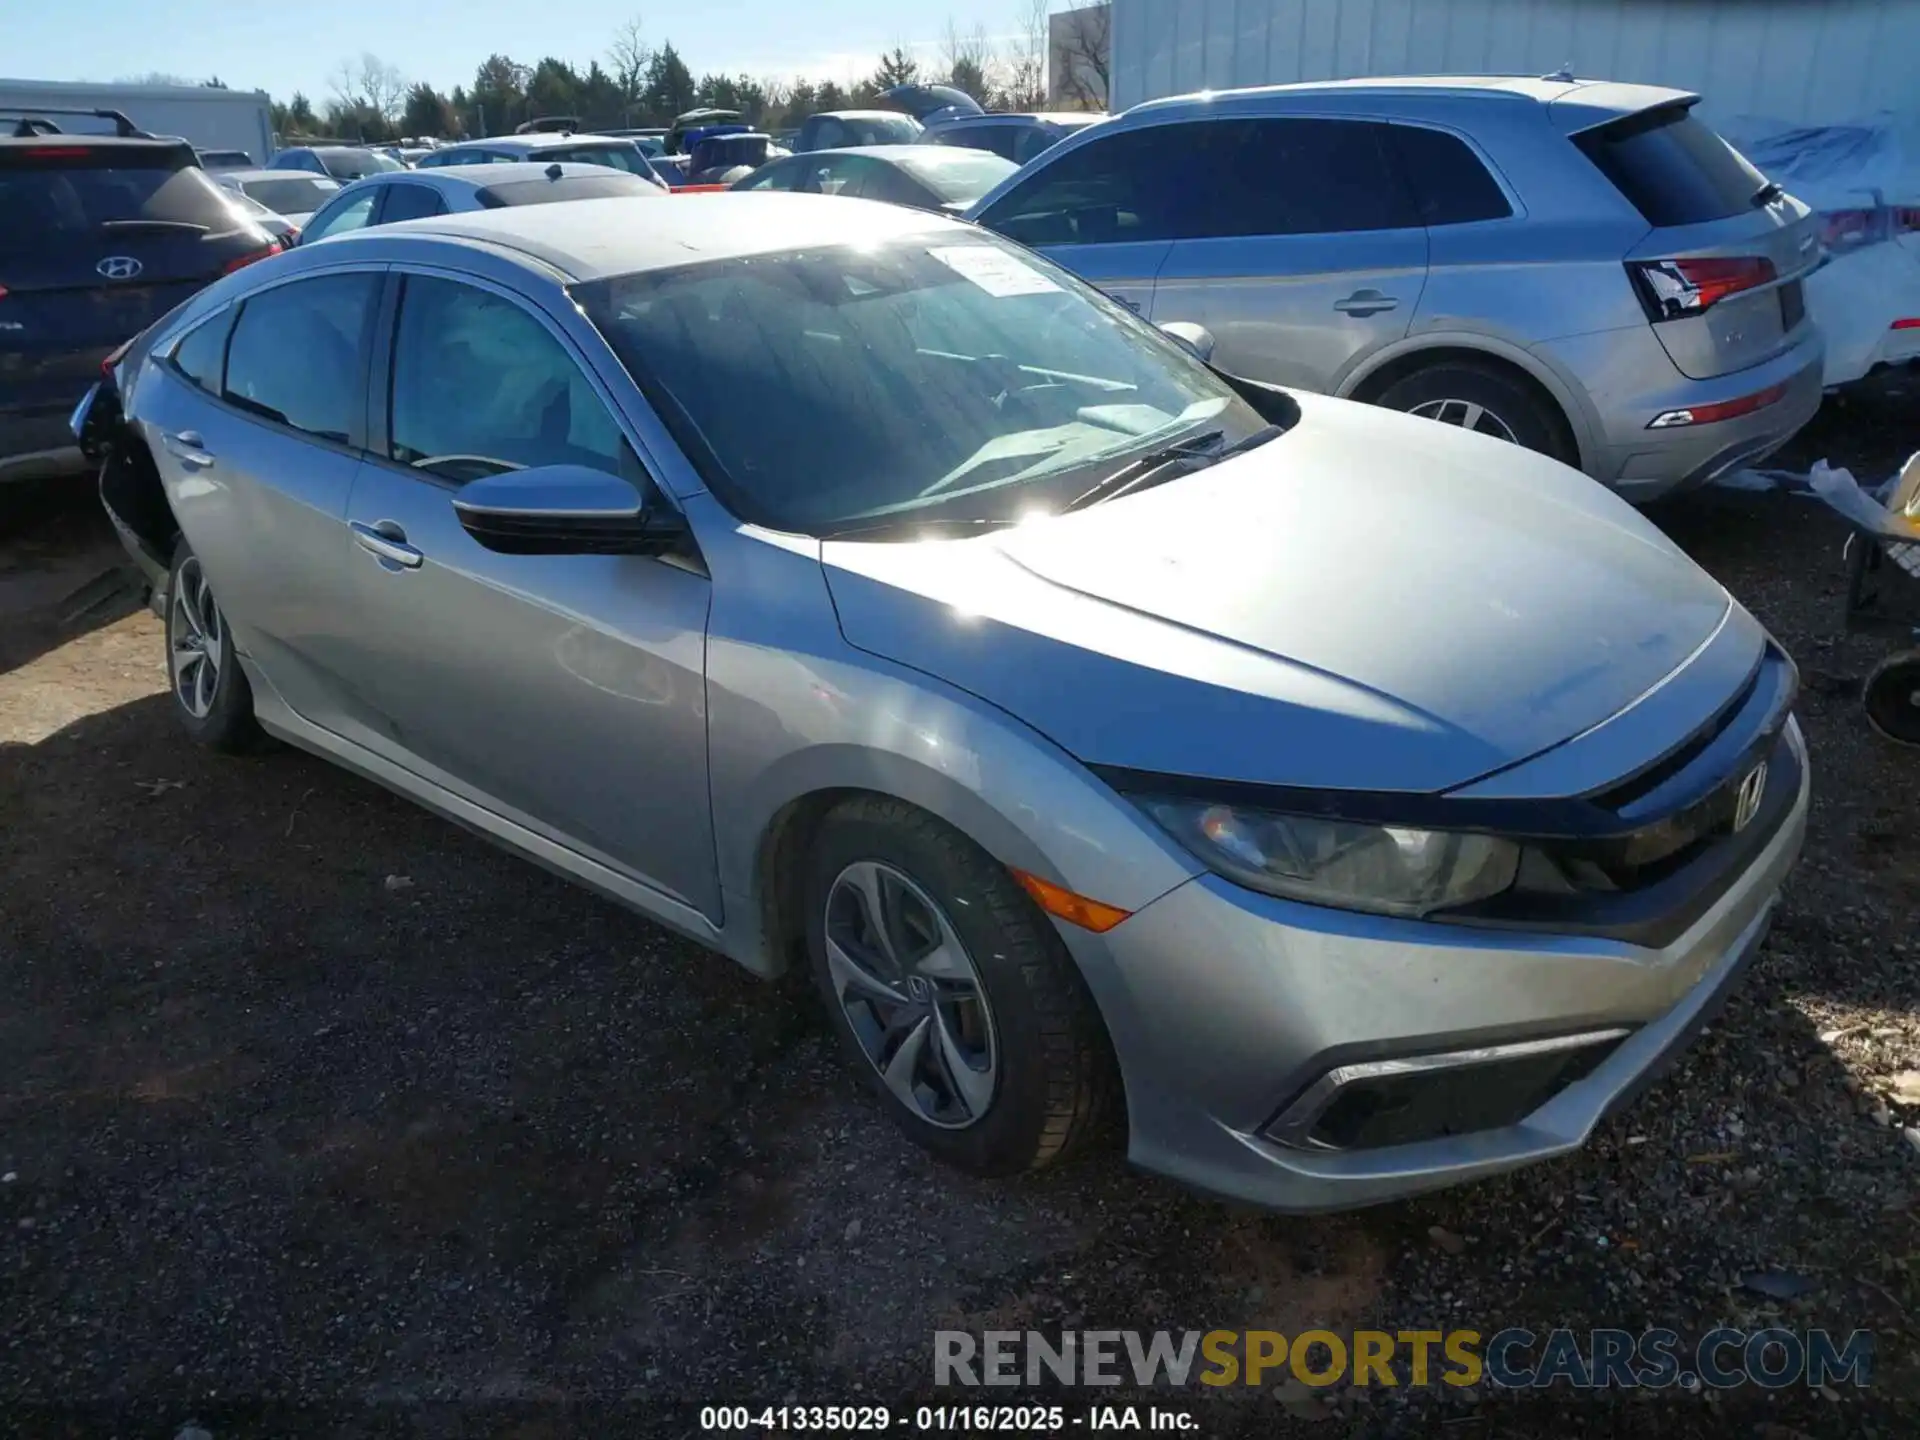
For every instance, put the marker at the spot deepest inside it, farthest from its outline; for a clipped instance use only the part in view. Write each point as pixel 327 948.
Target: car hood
pixel 1369 601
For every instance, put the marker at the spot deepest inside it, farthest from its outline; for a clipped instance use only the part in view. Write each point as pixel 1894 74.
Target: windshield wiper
pixel 1194 451
pixel 911 528
pixel 1766 194
pixel 1170 463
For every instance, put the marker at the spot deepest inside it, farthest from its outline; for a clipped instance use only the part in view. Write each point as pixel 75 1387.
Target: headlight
pixel 1386 869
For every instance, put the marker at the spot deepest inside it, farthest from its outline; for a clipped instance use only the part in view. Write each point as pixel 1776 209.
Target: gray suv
pixel 1584 268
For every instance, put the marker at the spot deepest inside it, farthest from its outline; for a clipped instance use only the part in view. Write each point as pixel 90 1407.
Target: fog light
pixel 1427 1097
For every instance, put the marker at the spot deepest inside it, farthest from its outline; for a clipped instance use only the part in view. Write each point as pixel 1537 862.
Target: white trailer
pixel 1811 63
pixel 206 118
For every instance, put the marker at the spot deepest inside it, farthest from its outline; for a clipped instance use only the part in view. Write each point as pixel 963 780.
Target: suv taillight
pixel 1672 289
pixel 116 355
pixel 240 262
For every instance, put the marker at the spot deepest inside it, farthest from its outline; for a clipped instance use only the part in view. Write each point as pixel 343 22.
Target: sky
pixel 283 48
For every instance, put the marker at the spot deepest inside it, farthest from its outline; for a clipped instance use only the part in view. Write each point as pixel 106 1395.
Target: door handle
pixel 1366 302
pixel 388 541
pixel 187 447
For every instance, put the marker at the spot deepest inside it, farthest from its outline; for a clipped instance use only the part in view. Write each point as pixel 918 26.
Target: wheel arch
pixel 776 941
pixel 1564 399
pixel 1045 820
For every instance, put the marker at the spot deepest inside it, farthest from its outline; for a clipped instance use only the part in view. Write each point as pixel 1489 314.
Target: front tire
pixel 210 692
pixel 951 992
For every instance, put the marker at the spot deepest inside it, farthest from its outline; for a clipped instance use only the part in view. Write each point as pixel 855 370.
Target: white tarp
pixel 1864 179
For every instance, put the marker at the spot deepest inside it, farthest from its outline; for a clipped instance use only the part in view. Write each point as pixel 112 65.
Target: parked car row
pixel 847 586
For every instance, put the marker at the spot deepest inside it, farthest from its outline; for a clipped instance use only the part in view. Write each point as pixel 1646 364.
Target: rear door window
pixel 201 354
pixel 1450 184
pixel 1119 188
pixel 1673 168
pixel 1287 177
pixel 298 355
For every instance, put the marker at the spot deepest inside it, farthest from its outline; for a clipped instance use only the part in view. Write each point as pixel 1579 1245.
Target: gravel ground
pixel 318 1115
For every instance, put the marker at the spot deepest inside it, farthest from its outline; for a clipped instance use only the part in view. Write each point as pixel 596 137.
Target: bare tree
pixel 1080 67
pixel 628 55
pixel 369 86
pixel 966 60
pixel 1026 61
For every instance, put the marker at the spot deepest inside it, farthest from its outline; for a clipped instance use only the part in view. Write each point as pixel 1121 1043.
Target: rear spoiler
pixel 1591 104
pixel 33 121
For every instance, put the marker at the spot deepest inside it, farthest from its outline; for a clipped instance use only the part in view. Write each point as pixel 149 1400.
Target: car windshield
pixel 878 130
pixel 293 194
pixel 943 377
pixel 352 164
pixel 615 155
pixel 568 187
pixel 958 176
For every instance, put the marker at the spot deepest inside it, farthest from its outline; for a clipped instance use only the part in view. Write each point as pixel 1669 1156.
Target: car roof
pixel 65 139
pixel 592 239
pixel 861 115
pixel 1540 89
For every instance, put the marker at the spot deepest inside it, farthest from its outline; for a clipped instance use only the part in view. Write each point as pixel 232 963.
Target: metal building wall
pixel 1809 61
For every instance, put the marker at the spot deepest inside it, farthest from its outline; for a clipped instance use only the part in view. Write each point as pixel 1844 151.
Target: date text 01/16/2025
pixel 947 1419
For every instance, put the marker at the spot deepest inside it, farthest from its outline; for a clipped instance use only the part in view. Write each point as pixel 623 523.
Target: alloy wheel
pixel 1468 415
pixel 196 640
pixel 910 992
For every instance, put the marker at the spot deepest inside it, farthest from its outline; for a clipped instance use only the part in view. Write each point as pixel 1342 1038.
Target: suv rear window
pixel 49 192
pixel 1671 167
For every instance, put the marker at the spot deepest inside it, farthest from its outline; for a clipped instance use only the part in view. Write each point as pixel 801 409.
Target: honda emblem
pixel 119 267
pixel 1746 803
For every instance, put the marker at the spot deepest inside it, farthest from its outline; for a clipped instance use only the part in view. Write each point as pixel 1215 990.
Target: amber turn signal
pixel 1076 909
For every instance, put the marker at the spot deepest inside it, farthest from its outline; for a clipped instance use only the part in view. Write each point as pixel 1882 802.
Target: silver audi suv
pixel 1585 268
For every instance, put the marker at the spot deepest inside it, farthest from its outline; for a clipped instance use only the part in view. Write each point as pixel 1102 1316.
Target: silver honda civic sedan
pixel 1358 804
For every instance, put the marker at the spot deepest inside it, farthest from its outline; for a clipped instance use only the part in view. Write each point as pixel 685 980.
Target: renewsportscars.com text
pixel 1512 1358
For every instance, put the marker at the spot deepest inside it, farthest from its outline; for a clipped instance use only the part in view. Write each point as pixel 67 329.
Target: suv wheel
pixel 210 694
pixel 1480 399
pixel 951 991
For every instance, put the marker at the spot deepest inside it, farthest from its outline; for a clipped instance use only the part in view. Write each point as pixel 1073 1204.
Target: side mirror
pixel 565 510
pixel 1196 338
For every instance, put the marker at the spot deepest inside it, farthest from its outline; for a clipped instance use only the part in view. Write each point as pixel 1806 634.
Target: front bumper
pixel 1225 1005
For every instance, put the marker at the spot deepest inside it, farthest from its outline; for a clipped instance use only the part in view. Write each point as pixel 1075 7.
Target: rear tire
pixel 210 691
pixel 1012 1068
pixel 1482 399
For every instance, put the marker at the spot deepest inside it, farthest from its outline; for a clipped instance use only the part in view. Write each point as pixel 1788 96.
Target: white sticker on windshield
pixel 992 269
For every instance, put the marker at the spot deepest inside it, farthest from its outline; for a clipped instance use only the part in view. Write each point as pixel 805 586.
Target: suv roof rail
pixel 36 123
pixel 549 125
